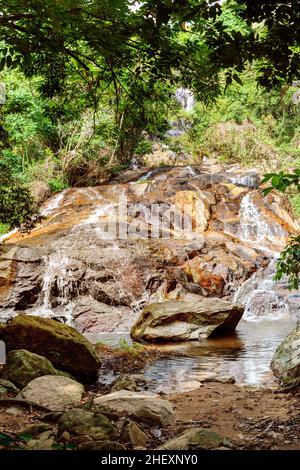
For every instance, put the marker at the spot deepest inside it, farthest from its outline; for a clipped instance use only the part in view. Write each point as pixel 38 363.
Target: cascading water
pixel 248 181
pixel 53 204
pixel 252 223
pixel 262 298
pixel 186 99
pixel 57 288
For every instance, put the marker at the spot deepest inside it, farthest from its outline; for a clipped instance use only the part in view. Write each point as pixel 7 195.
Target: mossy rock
pixel 65 347
pixel 196 439
pixel 23 366
pixel 285 364
pixel 79 422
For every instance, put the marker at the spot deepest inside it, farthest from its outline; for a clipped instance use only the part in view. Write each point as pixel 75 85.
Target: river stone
pixel 44 441
pixel 79 422
pixel 53 392
pixel 8 385
pixel 196 439
pixel 141 406
pixel 186 320
pixel 133 434
pixel 286 360
pixel 62 345
pixel 3 390
pixel 101 445
pixel 23 366
pixel 124 382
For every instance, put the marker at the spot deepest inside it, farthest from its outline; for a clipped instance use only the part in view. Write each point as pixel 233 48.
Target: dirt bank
pixel 251 418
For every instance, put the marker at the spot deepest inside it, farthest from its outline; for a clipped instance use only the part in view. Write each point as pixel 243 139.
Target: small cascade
pixel 58 290
pixel 265 299
pixel 253 225
pixel 148 176
pixel 261 300
pixel 53 204
pixel 250 180
pixel 185 98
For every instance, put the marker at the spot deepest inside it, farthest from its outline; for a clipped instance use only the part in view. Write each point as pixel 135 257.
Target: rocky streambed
pixel 100 265
pixel 43 407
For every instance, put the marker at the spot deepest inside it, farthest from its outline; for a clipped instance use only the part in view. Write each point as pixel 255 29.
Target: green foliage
pixel 289 263
pixel 15 441
pixel 134 348
pixel 143 147
pixel 57 185
pixel 4 228
pixel 16 203
pixel 282 181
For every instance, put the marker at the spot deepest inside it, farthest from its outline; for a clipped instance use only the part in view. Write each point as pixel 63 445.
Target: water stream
pixel 245 355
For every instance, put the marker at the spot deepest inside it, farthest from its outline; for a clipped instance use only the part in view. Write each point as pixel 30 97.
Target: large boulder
pixel 79 422
pixel 196 439
pixel 186 320
pixel 23 366
pixel 141 406
pixel 53 392
pixel 286 360
pixel 62 345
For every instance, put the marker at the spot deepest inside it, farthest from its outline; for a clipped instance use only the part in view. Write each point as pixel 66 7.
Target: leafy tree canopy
pixel 180 40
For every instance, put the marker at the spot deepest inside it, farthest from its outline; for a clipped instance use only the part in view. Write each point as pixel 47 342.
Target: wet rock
pixel 70 267
pixel 53 392
pixel 133 434
pixel 78 422
pixel 286 360
pixel 62 345
pixel 140 406
pixel 196 439
pixel 186 320
pixel 124 382
pixel 223 379
pixel 23 366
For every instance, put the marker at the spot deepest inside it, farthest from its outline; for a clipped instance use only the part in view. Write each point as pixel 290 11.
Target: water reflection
pixel 246 355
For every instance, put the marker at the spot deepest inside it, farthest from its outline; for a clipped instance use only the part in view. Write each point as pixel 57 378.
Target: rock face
pixel 196 439
pixel 71 268
pixel 22 366
pixel 140 406
pixel 62 345
pixel 78 422
pixel 53 392
pixel 286 360
pixel 186 320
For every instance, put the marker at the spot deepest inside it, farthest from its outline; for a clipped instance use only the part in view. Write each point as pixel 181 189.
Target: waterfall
pixel 58 289
pixel 253 225
pixel 248 181
pixel 264 299
pixel 261 299
pixel 53 203
pixel 186 98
